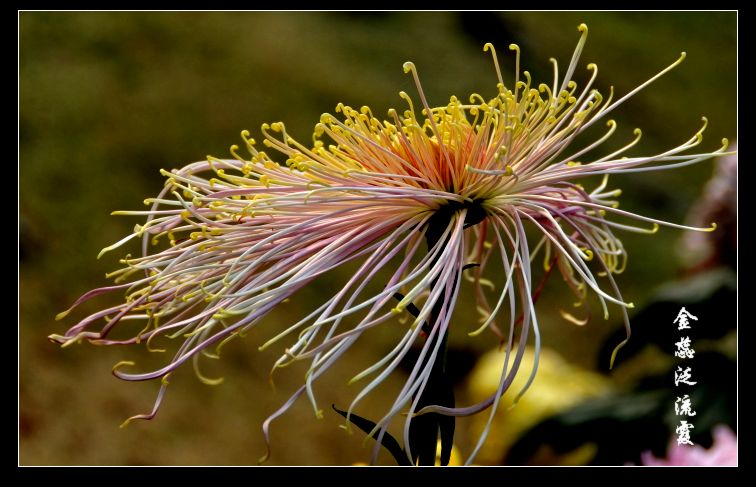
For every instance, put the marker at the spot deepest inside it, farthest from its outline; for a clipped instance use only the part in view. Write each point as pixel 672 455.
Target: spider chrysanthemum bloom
pixel 422 202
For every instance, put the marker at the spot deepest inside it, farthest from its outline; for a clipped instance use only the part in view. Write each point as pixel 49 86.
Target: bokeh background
pixel 107 99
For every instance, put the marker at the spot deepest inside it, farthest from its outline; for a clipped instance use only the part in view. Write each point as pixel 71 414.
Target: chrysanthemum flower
pixel 468 179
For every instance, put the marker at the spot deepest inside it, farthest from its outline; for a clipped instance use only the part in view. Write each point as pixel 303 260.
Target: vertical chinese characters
pixel 683 376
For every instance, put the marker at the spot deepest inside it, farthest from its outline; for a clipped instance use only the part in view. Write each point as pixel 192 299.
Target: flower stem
pixel 425 430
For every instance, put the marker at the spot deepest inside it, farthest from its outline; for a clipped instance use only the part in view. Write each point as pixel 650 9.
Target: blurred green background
pixel 107 99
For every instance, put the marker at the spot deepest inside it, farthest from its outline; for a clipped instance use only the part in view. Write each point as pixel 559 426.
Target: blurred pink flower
pixel 724 452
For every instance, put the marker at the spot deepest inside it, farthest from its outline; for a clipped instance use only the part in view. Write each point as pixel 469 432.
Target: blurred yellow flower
pixel 557 386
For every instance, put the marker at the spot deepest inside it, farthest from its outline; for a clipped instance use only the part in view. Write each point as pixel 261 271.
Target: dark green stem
pixel 426 429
